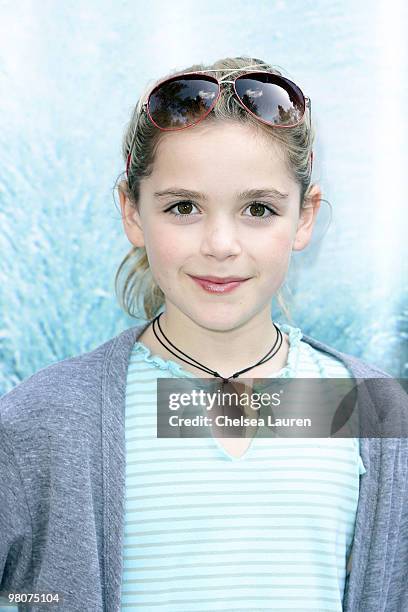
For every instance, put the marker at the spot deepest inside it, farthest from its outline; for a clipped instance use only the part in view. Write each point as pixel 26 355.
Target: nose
pixel 221 238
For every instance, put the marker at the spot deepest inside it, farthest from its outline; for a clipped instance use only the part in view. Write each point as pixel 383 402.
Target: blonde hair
pixel 296 142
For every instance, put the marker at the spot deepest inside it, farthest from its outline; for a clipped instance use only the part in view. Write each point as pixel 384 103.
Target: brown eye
pixel 181 209
pixel 184 207
pixel 259 208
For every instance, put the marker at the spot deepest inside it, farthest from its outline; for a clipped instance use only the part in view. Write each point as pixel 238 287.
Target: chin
pixel 219 319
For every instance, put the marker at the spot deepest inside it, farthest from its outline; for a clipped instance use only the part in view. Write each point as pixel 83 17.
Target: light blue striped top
pixel 270 530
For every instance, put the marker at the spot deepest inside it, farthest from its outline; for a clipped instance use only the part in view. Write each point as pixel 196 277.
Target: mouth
pixel 213 284
pixel 220 279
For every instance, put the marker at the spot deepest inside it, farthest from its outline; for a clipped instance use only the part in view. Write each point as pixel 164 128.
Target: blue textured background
pixel 70 73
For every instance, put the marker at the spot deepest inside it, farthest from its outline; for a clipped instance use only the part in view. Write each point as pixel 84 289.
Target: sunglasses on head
pixel 184 100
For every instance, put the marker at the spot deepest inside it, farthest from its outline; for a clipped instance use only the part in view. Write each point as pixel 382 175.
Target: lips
pixel 217 287
pixel 221 280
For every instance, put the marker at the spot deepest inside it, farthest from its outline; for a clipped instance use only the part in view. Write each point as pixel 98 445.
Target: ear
pixel 307 218
pixel 130 219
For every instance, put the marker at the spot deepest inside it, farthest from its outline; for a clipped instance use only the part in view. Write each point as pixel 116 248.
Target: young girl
pixel 101 513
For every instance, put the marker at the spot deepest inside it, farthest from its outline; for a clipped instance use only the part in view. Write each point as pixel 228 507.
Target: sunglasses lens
pixel 181 102
pixel 272 98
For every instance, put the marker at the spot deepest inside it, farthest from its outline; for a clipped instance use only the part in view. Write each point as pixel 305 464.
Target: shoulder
pixel 383 399
pixel 63 384
pixel 358 367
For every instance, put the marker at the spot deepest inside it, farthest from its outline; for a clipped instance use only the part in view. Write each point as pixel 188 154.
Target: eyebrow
pixel 244 195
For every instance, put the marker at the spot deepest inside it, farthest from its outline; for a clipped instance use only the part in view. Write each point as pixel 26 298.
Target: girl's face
pixel 219 230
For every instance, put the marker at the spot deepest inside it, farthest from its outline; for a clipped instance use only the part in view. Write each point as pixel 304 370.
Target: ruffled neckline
pixel 288 371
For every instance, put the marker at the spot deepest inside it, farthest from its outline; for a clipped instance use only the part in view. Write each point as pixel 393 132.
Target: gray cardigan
pixel 62 486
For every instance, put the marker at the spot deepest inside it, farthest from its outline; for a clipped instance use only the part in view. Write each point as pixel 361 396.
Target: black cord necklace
pixel 204 368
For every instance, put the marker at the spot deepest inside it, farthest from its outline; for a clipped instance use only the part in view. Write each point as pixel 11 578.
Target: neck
pixel 223 348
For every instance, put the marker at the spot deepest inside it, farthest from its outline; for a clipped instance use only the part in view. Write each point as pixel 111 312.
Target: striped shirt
pixel 204 530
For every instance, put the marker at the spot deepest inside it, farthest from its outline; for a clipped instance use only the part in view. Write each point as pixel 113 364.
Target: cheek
pixel 164 251
pixel 274 249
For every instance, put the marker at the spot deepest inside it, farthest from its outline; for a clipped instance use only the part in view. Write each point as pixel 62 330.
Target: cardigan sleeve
pixel 397 597
pixel 15 524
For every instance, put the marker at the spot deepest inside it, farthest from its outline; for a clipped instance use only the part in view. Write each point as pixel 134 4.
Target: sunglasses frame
pixel 307 103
